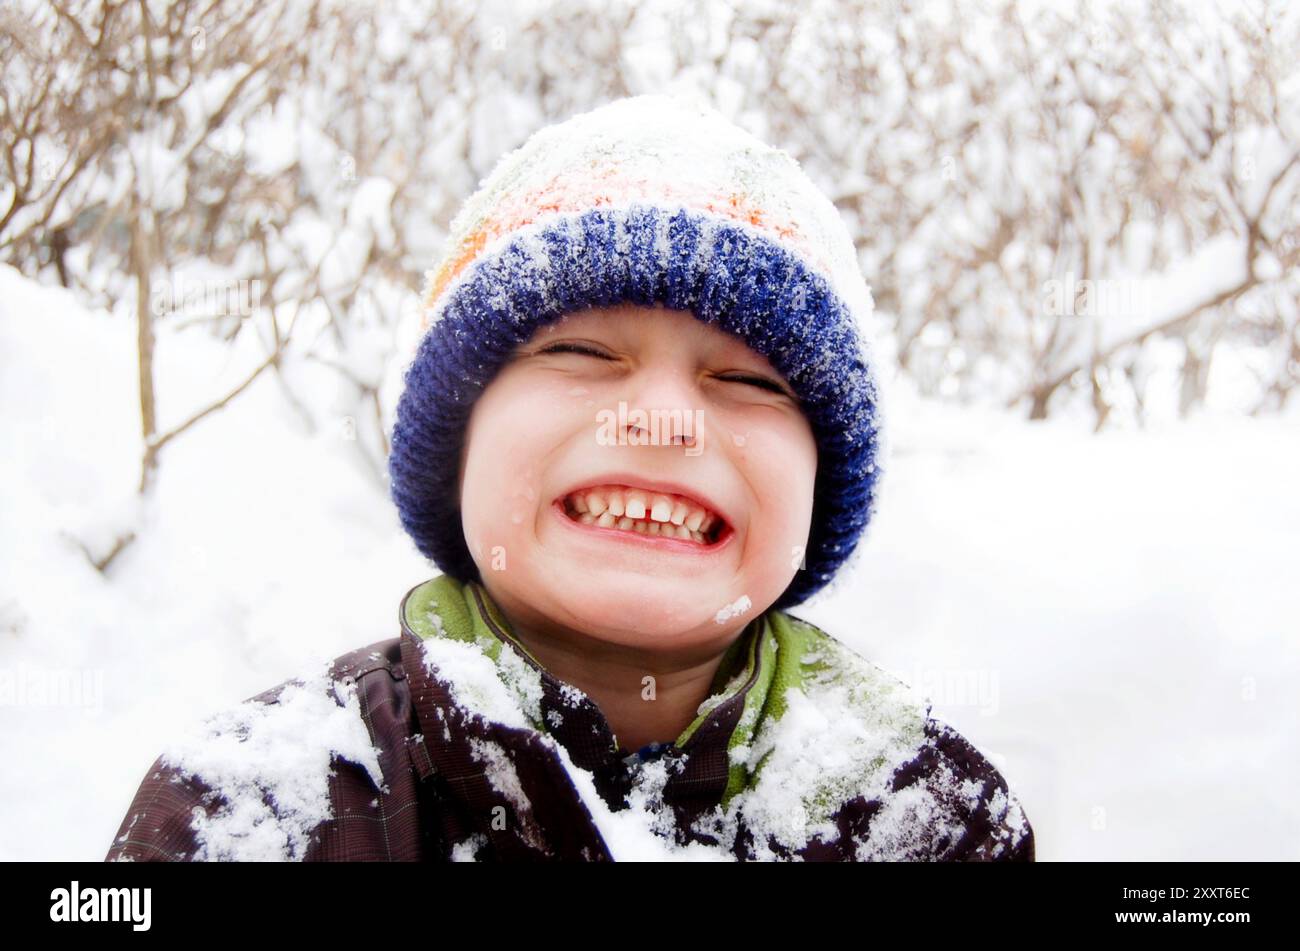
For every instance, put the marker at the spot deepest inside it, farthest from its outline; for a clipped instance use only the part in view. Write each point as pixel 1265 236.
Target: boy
pixel 641 423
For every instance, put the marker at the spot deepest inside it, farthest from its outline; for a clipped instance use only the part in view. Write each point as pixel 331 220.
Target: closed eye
pixel 573 348
pixel 759 381
pixel 762 383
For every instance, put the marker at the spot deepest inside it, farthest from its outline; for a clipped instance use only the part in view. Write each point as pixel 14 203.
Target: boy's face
pixel 550 423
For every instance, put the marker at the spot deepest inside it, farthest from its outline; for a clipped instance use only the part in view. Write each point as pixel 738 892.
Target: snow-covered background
pixel 1111 617
pixel 1085 545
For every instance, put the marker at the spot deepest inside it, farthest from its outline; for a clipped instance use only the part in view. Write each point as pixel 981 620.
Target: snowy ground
pixel 1109 617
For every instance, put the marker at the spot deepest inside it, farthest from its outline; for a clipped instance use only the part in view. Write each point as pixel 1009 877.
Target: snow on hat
pixel 649 200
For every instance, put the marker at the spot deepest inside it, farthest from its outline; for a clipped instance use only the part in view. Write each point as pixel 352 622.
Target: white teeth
pixel 661 508
pixel 649 513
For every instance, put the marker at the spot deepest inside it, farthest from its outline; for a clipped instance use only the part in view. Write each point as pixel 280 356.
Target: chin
pixel 628 608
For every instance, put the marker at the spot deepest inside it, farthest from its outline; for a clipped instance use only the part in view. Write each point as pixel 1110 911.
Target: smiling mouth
pixel 652 514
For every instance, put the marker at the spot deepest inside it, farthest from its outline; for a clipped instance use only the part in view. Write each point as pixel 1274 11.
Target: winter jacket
pixel 451 742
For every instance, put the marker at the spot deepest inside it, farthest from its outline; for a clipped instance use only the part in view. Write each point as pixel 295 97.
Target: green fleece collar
pixel 464 611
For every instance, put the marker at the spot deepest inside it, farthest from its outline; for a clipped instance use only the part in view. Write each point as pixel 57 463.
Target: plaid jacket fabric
pixel 441 801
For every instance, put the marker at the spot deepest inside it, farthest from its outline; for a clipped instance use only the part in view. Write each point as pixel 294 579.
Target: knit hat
pixel 650 200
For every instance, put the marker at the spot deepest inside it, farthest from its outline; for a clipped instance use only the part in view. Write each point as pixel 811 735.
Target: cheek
pixel 780 463
pixel 514 429
pixel 781 469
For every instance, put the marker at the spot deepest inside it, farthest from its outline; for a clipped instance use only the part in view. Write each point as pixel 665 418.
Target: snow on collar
pixel 464 635
pixel 460 641
pixel 836 727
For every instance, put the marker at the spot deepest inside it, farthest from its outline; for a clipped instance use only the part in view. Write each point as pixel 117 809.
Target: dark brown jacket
pixel 447 782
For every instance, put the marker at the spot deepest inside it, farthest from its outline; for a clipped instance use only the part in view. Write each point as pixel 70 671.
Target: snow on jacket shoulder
pixel 451 742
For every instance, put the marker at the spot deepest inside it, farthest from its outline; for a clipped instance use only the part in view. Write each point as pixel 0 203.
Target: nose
pixel 663 431
pixel 664 407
